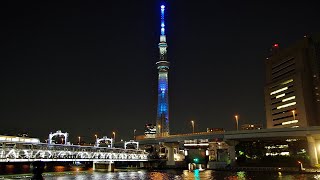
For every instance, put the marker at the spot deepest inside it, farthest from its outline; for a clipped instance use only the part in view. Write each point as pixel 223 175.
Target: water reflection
pixel 157 175
pixel 172 174
pixel 196 174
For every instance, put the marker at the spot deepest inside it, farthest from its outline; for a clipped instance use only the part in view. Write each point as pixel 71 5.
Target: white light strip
pixel 286 105
pixel 202 144
pixel 288 81
pixel 281 95
pixel 288 99
pixel 290 122
pixel 279 90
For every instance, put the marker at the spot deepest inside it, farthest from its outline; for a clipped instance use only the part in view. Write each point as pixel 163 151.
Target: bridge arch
pixel 131 142
pixel 105 139
pixel 59 133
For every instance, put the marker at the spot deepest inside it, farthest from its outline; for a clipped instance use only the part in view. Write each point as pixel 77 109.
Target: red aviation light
pixel 276 45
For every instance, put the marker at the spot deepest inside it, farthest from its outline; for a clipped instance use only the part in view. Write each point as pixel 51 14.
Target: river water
pixel 168 175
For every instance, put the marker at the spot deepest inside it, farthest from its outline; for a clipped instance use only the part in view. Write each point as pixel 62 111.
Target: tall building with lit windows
pixel 292 84
pixel 163 68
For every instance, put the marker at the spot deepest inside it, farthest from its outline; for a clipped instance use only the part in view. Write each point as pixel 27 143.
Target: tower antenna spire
pixel 163 44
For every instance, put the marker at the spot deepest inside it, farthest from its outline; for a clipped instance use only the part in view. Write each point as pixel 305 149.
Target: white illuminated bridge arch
pixel 131 142
pixel 29 152
pixel 105 139
pixel 59 133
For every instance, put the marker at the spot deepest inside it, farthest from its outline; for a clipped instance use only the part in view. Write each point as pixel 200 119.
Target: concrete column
pixel 317 144
pixel 94 166
pixel 103 166
pixel 141 165
pixel 232 151
pixel 170 155
pixel 312 151
pixel 232 154
pixel 110 169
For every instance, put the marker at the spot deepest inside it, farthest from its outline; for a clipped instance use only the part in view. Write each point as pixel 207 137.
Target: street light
pixel 236 116
pixel 159 127
pixel 294 114
pixel 192 122
pixel 79 139
pixel 114 136
pixel 134 134
pixel 96 136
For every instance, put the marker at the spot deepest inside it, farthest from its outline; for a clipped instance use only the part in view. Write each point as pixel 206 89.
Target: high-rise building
pixel 163 68
pixel 292 94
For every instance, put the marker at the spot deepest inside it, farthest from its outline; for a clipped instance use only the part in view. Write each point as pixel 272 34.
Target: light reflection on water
pixel 174 175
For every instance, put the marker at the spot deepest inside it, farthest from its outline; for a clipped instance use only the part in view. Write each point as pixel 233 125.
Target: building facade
pixel 292 85
pixel 163 96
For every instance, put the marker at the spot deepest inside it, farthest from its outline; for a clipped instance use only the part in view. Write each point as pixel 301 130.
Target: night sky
pixel 89 67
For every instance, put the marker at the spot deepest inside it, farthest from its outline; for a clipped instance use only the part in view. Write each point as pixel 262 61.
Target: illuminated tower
pixel 163 68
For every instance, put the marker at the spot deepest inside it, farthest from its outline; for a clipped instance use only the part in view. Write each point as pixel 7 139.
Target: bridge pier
pixel 103 166
pixel 170 156
pixel 312 151
pixel 232 150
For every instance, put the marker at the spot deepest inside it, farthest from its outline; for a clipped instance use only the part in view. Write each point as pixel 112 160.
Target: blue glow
pixel 196 174
pixel 162 20
pixel 162 31
pixel 163 109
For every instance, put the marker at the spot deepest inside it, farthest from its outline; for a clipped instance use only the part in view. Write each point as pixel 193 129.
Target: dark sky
pixel 89 67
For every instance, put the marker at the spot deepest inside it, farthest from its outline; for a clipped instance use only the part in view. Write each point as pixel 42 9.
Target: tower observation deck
pixel 163 68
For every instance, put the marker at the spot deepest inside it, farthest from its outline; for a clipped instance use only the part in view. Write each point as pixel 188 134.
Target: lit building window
pixel 289 98
pixel 279 90
pixel 286 105
pixel 281 146
pixel 278 154
pixel 290 140
pixel 288 81
pixel 281 95
pixel 290 122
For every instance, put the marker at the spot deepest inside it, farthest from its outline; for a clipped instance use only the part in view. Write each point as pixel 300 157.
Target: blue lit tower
pixel 163 68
